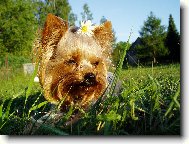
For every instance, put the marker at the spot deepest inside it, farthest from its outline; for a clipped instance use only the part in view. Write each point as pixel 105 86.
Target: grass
pixel 14 83
pixel 148 104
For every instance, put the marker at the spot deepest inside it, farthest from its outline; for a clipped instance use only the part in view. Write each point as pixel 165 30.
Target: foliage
pixel 12 61
pixel 118 51
pixel 72 18
pixel 153 36
pixel 86 14
pixel 59 8
pixel 17 26
pixel 103 19
pixel 173 41
pixel 21 18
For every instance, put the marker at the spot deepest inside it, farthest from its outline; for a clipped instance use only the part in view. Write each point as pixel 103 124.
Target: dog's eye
pixel 95 63
pixel 71 61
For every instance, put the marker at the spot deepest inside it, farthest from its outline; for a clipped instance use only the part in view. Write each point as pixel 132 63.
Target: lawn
pixel 147 104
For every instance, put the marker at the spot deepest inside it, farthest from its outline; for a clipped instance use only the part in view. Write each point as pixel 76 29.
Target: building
pixel 131 56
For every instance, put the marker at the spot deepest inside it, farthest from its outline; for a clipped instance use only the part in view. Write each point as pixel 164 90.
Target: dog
pixel 73 64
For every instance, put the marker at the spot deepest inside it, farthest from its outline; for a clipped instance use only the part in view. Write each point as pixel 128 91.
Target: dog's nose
pixel 90 77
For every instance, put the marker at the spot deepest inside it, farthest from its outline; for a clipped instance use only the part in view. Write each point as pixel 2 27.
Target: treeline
pixel 156 44
pixel 22 20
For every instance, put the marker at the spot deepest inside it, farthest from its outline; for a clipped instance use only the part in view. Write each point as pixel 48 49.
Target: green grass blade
pixel 37 107
pixel 7 113
pixel 28 91
pixel 173 102
pixel 118 69
pixel 1 114
pixel 4 121
pixel 107 127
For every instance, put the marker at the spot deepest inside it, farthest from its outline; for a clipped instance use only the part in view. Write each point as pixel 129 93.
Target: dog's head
pixel 73 66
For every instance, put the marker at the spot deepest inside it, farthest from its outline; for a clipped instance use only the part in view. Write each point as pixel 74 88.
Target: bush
pixel 13 60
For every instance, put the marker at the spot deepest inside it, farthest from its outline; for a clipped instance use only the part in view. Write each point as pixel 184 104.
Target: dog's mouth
pixel 76 89
pixel 78 92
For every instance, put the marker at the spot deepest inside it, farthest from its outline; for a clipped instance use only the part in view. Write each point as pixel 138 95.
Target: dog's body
pixel 73 66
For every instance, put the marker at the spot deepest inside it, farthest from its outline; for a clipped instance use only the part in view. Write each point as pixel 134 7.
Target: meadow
pixel 148 103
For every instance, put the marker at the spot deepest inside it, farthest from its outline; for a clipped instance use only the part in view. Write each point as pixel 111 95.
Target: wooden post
pixel 152 68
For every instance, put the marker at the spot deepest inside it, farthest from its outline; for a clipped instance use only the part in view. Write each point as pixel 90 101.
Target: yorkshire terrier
pixel 74 62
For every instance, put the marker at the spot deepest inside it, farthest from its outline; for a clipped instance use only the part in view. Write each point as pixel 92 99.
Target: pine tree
pixel 86 14
pixel 173 41
pixel 103 19
pixel 72 18
pixel 152 37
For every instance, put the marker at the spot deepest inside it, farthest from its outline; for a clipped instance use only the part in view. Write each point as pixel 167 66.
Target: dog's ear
pixel 54 29
pixel 104 35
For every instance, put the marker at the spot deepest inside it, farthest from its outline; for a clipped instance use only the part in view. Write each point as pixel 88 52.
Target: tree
pixel 60 8
pixel 72 19
pixel 86 14
pixel 19 20
pixel 152 39
pixel 103 19
pixel 17 26
pixel 173 41
pixel 118 51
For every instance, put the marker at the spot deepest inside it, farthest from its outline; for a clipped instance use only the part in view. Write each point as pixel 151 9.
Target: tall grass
pixel 148 103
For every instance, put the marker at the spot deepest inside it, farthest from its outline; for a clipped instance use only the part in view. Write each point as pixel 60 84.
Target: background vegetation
pixel 155 44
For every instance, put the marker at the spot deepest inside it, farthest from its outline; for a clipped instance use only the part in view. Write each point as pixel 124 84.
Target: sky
pixel 128 15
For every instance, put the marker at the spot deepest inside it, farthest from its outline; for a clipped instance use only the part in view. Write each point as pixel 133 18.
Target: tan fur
pixel 73 67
